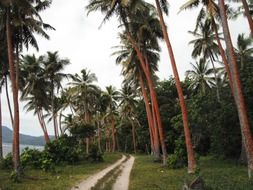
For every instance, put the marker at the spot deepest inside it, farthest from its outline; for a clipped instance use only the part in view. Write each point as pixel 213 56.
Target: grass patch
pixel 64 178
pixel 217 174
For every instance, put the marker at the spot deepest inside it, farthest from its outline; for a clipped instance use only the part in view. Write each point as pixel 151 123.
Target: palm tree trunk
pixel 133 136
pixel 144 66
pixel 8 100
pixel 60 125
pixel 99 139
pixel 247 13
pixel 56 132
pixel 1 128
pixel 150 119
pixel 43 127
pixel 223 55
pixel 216 80
pixel 238 94
pixel 16 158
pixel 156 140
pixel 190 152
pixel 157 115
pixel 113 136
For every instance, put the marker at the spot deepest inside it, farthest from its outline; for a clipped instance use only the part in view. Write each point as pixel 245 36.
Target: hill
pixel 24 139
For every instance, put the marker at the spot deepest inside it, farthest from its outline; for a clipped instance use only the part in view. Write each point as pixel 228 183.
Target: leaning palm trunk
pixel 216 79
pixel 190 152
pixel 223 55
pixel 133 136
pixel 15 146
pixel 247 14
pixel 113 136
pixel 238 94
pixel 154 139
pixel 1 128
pixel 8 100
pixel 144 66
pixel 43 126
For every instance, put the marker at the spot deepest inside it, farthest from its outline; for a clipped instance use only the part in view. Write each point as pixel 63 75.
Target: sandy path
pixel 92 180
pixel 122 182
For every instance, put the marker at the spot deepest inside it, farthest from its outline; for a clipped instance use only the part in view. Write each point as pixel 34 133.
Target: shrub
pixel 64 149
pixel 179 158
pixel 31 157
pixel 6 163
pixel 94 154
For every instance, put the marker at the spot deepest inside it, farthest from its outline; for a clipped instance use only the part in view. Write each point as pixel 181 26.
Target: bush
pixel 6 163
pixel 94 154
pixel 64 149
pixel 179 158
pixel 31 157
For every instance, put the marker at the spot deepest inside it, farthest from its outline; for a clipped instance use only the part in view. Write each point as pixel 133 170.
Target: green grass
pixel 64 178
pixel 217 174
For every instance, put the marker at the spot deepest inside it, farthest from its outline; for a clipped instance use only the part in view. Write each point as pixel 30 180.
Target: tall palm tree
pixel 132 72
pixel 14 14
pixel 35 88
pixel 200 76
pixel 127 106
pixel 238 94
pixel 85 93
pixel 188 142
pixel 210 11
pixel 127 12
pixel 205 46
pixel 244 49
pixel 53 66
pixel 112 96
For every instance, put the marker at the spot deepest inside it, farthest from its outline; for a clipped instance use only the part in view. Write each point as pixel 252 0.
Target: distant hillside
pixel 24 139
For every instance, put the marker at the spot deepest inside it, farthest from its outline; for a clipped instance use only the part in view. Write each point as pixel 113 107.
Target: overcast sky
pixel 78 38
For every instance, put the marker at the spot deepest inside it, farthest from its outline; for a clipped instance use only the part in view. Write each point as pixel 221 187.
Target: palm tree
pixel 132 72
pixel 17 11
pixel 112 96
pixel 53 66
pixel 204 45
pixel 200 76
pixel 244 49
pixel 127 109
pixel 247 12
pixel 189 148
pixel 128 12
pixel 85 94
pixel 239 98
pixel 210 11
pixel 35 88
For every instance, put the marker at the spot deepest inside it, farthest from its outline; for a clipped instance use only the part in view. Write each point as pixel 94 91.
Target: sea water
pixel 7 147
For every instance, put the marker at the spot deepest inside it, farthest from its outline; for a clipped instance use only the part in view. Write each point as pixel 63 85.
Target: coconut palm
pixel 162 5
pixel 14 14
pixel 35 88
pixel 237 89
pixel 210 11
pixel 53 66
pixel 128 11
pixel 244 49
pixel 127 104
pixel 200 76
pixel 112 95
pixel 85 94
pixel 205 46
pixel 132 72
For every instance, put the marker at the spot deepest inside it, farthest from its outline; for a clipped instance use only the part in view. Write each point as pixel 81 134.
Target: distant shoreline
pixel 7 147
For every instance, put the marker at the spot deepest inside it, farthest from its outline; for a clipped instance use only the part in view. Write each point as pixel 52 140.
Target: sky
pixel 78 38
